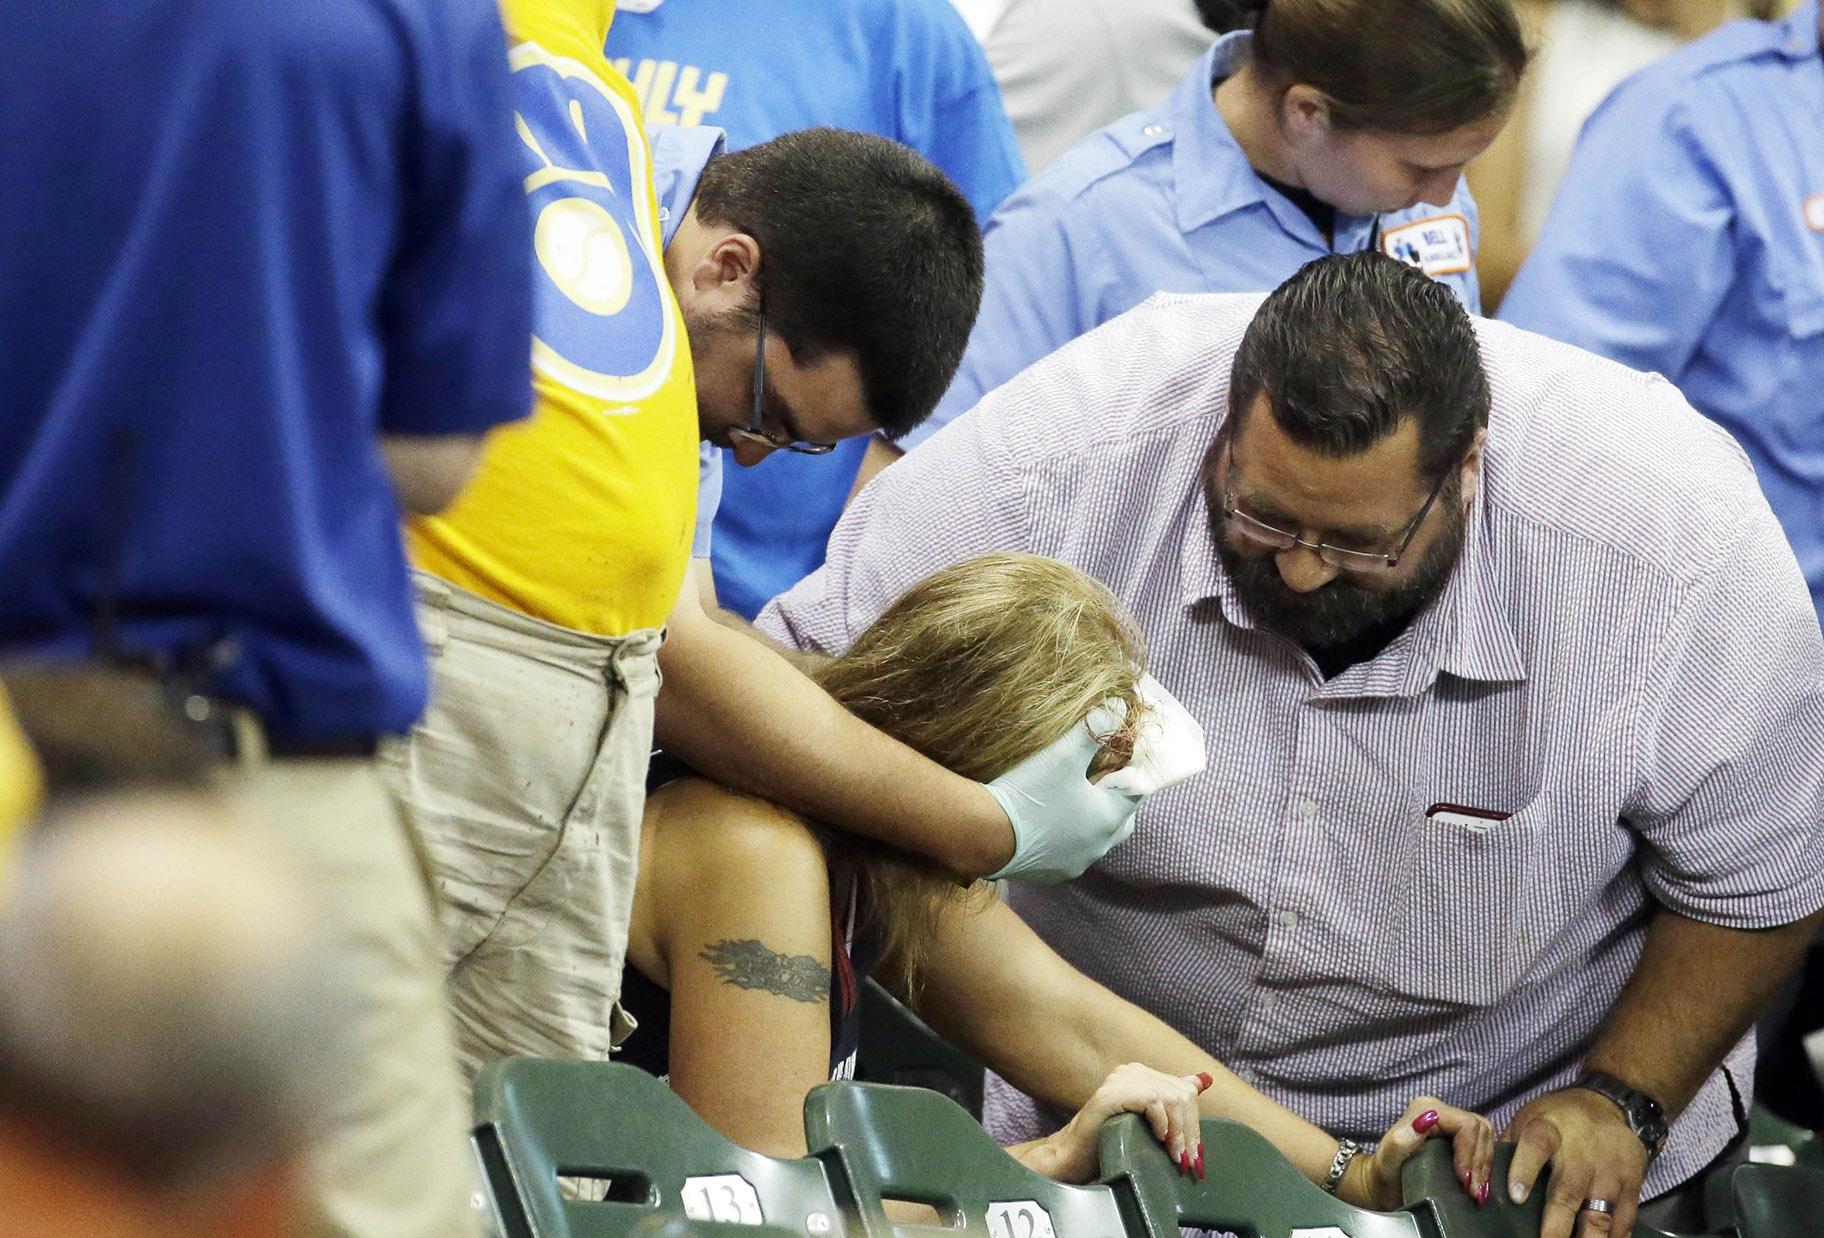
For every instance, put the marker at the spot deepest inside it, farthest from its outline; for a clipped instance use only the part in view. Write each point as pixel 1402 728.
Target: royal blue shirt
pixel 906 69
pixel 1689 239
pixel 238 243
pixel 1164 200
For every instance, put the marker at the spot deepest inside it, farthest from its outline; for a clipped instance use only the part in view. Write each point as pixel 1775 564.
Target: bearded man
pixel 1514 700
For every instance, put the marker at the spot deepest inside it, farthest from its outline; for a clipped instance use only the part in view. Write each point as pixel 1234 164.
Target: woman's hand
pixel 1374 1181
pixel 1168 1102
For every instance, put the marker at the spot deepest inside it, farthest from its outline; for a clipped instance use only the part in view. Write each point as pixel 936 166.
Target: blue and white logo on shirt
pixel 1437 246
pixel 588 174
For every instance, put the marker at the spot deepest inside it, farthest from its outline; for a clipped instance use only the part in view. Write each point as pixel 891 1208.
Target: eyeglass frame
pixel 1352 560
pixel 755 430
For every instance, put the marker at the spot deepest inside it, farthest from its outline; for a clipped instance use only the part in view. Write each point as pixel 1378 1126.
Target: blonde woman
pixel 752 927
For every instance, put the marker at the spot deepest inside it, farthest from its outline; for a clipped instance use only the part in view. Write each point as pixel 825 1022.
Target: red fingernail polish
pixel 1204 1080
pixel 1200 1160
pixel 1184 1163
pixel 1425 1121
pixel 1482 1196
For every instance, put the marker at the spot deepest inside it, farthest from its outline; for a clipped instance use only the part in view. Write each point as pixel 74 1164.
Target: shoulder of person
pixel 928 34
pixel 1611 455
pixel 714 837
pixel 1108 160
pixel 1660 96
pixel 1106 400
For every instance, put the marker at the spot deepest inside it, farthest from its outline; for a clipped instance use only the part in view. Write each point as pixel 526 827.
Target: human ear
pixel 1304 113
pixel 729 264
pixel 1472 466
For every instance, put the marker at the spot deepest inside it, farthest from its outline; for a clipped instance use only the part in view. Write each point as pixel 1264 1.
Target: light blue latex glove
pixel 1062 822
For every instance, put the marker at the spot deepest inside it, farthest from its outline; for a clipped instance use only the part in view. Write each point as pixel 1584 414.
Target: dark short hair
pixel 1353 345
pixel 865 247
pixel 1395 66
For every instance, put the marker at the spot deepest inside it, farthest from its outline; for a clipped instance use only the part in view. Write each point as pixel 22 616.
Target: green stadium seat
pixel 1772 1140
pixel 1430 1191
pixel 1769 1201
pixel 619 1129
pixel 1249 1189
pixel 893 1143
pixel 897 1047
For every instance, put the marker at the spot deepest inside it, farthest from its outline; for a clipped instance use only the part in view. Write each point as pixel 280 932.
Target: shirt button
pixel 1267 999
pixel 1287 919
pixel 1153 131
pixel 1307 810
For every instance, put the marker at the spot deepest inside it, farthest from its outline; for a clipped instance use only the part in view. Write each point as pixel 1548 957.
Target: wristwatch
pixel 1646 1116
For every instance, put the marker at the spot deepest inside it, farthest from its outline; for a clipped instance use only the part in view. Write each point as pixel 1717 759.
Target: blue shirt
pixel 238 243
pixel 1164 200
pixel 906 69
pixel 678 159
pixel 1689 239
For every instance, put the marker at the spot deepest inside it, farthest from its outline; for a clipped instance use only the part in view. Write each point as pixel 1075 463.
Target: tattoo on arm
pixel 749 964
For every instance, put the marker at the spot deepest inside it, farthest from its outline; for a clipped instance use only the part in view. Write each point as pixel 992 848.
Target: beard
pixel 1342 612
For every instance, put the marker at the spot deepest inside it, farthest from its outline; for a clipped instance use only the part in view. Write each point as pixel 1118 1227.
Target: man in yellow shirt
pixel 829 288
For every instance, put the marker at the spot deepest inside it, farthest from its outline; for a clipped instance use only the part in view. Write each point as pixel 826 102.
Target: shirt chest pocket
pixel 1454 927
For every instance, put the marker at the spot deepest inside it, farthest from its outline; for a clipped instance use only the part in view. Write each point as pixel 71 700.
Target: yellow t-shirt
pixel 582 516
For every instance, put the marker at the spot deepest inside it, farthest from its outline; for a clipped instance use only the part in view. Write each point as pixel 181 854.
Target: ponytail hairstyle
pixel 978 667
pixel 1416 67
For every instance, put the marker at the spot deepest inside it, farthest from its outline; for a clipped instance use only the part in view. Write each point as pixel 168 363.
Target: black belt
pixel 224 730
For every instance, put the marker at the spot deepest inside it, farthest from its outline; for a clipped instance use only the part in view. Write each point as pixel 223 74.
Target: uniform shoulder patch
pixel 1437 246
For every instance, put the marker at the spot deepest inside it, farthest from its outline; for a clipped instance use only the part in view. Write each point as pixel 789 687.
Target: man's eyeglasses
pixel 1260 534
pixel 756 430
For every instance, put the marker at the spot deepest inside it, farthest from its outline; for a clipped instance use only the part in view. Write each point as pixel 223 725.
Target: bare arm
pixel 734 901
pixel 1658 1041
pixel 429 471
pixel 1657 1038
pixel 705 584
pixel 996 989
pixel 735 709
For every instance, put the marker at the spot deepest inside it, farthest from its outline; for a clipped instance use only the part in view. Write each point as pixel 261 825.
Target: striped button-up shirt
pixel 1625 661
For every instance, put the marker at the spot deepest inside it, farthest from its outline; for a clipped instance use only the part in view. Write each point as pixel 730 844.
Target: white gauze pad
pixel 1168 748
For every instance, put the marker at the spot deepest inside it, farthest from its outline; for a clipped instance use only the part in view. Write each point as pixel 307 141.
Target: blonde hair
pixel 978 667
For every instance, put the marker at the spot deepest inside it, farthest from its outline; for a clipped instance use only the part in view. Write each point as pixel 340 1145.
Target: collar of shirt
pixel 1464 631
pixel 679 156
pixel 1211 174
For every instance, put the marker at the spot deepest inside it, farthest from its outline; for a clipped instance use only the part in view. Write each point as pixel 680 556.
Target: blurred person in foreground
pixel 263 286
pixel 21 784
pixel 164 1042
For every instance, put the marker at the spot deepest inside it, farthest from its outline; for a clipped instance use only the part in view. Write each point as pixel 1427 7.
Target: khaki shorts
pixel 393 1161
pixel 526 780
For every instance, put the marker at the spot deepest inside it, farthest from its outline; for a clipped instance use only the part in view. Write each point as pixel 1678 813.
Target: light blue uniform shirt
pixel 678 159
pixel 905 69
pixel 1164 201
pixel 1689 239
